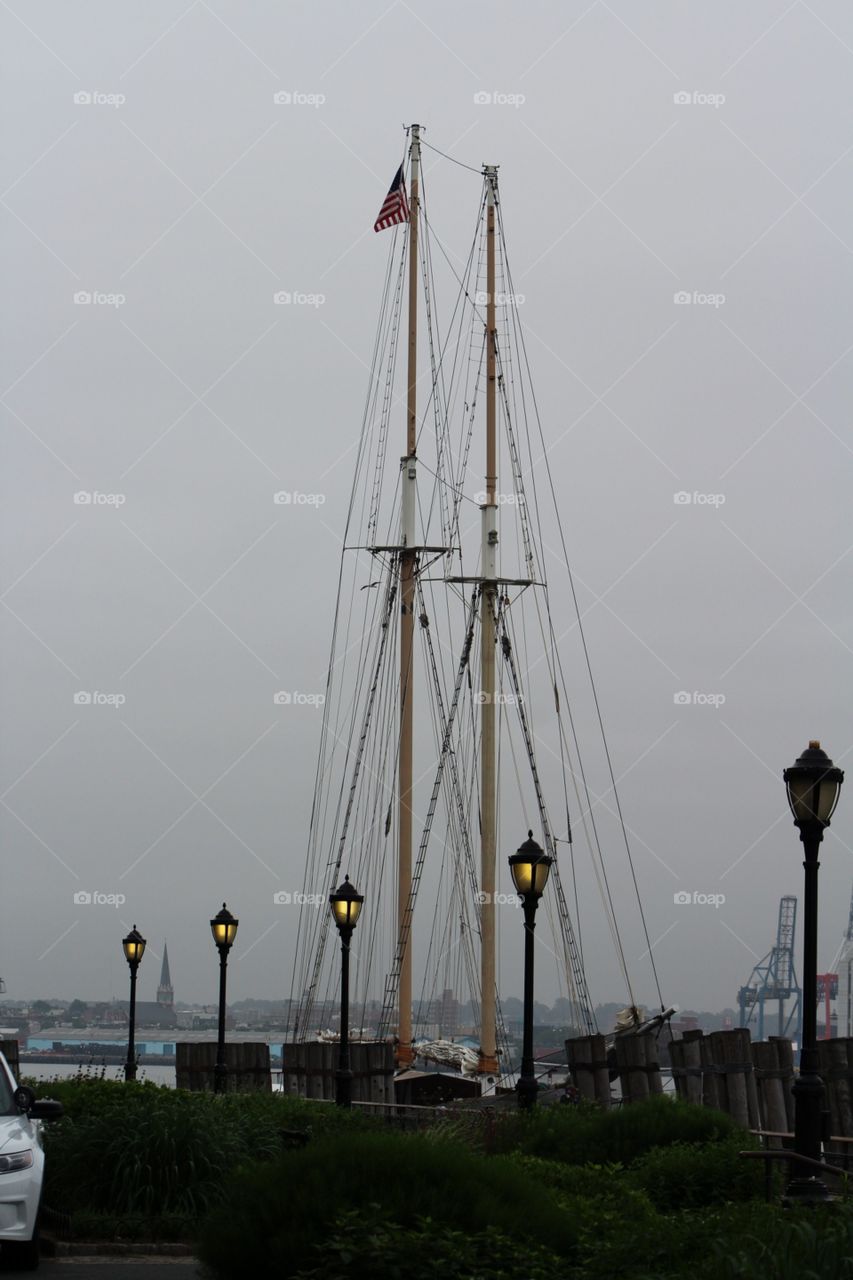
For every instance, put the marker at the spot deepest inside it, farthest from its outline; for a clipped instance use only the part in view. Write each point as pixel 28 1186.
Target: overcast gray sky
pixel 645 151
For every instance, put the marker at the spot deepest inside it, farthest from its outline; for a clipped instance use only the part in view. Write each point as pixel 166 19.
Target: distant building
pixel 165 991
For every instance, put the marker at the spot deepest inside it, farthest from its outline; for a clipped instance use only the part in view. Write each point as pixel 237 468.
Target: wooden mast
pixel 405 1054
pixel 488 1061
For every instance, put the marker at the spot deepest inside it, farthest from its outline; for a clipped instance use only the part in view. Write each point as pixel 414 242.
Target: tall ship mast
pixel 445 663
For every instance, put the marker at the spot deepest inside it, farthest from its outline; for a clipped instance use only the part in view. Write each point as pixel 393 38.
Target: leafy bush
pixel 131 1227
pixel 278 1212
pixel 587 1135
pixel 691 1175
pixel 141 1149
pixel 363 1247
pixel 805 1244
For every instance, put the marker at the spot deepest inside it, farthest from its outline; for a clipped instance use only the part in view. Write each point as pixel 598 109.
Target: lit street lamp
pixel 134 948
pixel 813 785
pixel 346 904
pixel 223 926
pixel 530 869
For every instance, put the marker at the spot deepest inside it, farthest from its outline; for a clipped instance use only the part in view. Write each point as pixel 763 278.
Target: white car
pixel 21 1169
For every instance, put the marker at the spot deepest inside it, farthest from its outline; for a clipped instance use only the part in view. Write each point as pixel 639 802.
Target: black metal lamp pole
pixel 224 929
pixel 813 785
pixel 530 869
pixel 346 905
pixel 133 946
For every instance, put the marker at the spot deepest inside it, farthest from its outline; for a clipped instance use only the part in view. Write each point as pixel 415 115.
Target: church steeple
pixel 165 991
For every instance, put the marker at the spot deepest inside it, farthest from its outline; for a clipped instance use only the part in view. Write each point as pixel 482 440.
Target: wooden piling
pixel 247 1064
pixel 692 1063
pixel 631 1064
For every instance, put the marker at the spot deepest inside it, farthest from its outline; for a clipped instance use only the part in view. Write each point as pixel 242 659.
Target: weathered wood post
pixel 692 1063
pixel 247 1065
pixel 631 1064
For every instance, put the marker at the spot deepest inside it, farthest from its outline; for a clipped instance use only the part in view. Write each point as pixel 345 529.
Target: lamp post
pixel 134 947
pixel 223 926
pixel 813 785
pixel 530 869
pixel 346 903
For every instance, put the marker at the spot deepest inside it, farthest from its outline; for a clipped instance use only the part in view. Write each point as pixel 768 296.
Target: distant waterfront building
pixel 165 991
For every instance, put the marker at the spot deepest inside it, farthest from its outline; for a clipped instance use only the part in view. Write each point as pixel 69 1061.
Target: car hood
pixel 16 1132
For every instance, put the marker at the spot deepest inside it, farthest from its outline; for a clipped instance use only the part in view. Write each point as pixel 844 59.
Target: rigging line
pixel 567 928
pixel 588 662
pixel 453 159
pixel 393 978
pixel 390 597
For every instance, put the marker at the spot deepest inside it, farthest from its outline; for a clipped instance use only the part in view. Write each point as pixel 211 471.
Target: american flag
pixel 395 207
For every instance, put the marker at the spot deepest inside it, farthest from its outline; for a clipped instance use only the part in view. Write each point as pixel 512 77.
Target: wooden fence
pixel 309 1069
pixel 247 1064
pixel 750 1082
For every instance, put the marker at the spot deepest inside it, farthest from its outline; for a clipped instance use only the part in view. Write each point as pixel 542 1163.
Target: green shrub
pixel 804 1244
pixel 364 1247
pixel 278 1212
pixel 587 1135
pixel 142 1149
pixel 691 1175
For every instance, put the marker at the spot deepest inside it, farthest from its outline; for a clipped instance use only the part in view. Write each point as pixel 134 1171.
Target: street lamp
pixel 134 949
pixel 813 785
pixel 530 869
pixel 346 903
pixel 223 926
